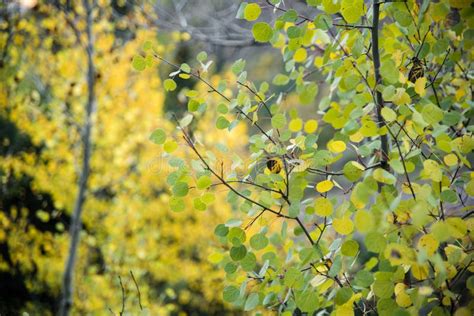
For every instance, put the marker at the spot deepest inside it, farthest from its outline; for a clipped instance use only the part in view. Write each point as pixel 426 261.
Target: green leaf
pixel 176 204
pixel 322 158
pixel 353 171
pixel 251 302
pixel 352 10
pixel 323 21
pixel 236 236
pixel 449 196
pixel 222 122
pixel 383 176
pixel 403 18
pixel 383 288
pixel 221 230
pixel 364 278
pixel 432 114
pixel 193 105
pixel 238 253
pixel 249 262
pixel 289 16
pixel 343 295
pixel 309 93
pixel 262 32
pixel 199 204
pixel 375 242
pixel 138 62
pixel 279 120
pixel 280 80
pixel 158 136
pixel 204 182
pixel 389 71
pixel 293 32
pixel 169 85
pixel 238 66
pixel 230 267
pixel 293 278
pixel 252 11
pixel 185 67
pixel 307 301
pixel 231 294
pixel 388 114
pixel 258 241
pixel 180 189
pixel 350 248
pixel 202 56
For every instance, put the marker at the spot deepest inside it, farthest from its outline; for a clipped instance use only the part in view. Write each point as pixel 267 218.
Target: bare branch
pixel 138 290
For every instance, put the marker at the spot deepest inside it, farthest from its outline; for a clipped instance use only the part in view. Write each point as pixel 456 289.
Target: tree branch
pixel 213 89
pixel 138 290
pixel 378 80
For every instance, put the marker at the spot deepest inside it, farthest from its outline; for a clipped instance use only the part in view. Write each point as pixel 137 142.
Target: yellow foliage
pixel 127 222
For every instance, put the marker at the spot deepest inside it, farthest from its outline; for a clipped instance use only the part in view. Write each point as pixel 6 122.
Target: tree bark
pixel 76 222
pixel 378 80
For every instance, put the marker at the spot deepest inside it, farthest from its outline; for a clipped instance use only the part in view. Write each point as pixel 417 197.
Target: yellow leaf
pixel 170 146
pixel 364 221
pixel 336 146
pixel 215 257
pixel 343 226
pixel 447 301
pixel 344 310
pixel 419 271
pixel 252 11
pixel 398 254
pixel 318 62
pixel 357 137
pixel 403 299
pixel 450 160
pixel 401 97
pixel 323 206
pixel 324 186
pixel 300 55
pixel 311 126
pixel 295 125
pixel 429 243
pixel 470 188
pixel 420 85
pixel 432 170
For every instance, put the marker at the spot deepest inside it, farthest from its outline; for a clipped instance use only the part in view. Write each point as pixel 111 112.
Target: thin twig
pixel 352 26
pixel 190 143
pixel 213 89
pixel 403 162
pixel 138 290
pixel 123 296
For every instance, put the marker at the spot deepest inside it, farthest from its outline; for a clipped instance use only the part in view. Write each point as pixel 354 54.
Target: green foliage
pixel 372 208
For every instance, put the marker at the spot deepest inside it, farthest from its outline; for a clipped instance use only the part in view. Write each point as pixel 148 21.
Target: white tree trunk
pixel 75 228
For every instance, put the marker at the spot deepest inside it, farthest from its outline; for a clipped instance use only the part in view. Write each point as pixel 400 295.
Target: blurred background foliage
pixel 127 225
